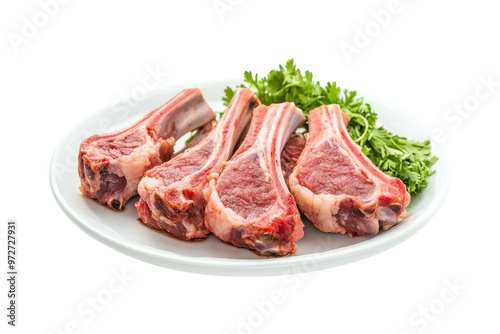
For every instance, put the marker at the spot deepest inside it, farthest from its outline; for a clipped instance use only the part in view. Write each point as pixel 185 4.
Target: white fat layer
pixel 148 185
pixel 320 209
pixel 134 165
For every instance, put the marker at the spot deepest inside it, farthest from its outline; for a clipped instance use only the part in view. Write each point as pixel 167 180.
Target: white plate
pixel 317 250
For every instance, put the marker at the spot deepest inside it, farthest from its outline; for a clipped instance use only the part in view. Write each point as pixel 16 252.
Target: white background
pixel 428 58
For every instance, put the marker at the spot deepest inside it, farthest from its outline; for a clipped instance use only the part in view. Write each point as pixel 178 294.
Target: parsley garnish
pixel 408 160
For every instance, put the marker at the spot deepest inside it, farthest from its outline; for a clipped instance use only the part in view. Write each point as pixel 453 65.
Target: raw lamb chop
pixel 337 187
pixel 171 194
pixel 248 204
pixel 110 166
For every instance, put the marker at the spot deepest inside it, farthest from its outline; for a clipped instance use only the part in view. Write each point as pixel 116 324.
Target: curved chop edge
pixel 248 204
pixel 171 194
pixel 110 166
pixel 337 187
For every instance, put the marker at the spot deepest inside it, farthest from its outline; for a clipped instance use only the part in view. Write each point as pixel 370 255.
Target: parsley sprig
pixel 409 160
